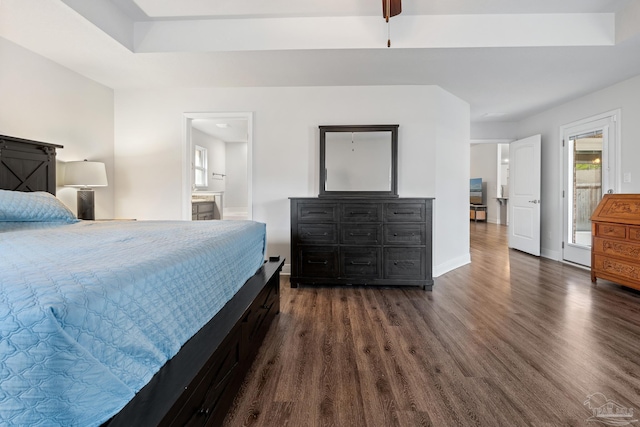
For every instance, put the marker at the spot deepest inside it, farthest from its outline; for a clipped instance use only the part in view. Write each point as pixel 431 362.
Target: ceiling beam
pixel 366 32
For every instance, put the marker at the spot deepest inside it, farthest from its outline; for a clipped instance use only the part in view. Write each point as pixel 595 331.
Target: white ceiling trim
pixel 366 32
pixel 260 8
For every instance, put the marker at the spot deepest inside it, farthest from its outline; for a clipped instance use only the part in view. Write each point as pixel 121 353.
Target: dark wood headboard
pixel 27 165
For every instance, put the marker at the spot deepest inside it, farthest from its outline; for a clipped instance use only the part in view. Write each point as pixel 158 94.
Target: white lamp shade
pixel 85 174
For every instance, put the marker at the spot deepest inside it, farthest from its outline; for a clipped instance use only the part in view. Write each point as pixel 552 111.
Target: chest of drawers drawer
pixel 314 212
pixel 317 261
pixel 611 230
pixel 405 212
pixel 360 262
pixel 318 233
pixel 402 263
pixel 616 248
pixel 361 212
pixel 617 270
pixel 405 234
pixel 361 234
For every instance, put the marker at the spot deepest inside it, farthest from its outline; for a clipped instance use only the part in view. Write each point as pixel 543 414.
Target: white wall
pixel 624 95
pixel 451 216
pixel 484 164
pixel 43 101
pixel 285 149
pixel 494 131
pixel 236 179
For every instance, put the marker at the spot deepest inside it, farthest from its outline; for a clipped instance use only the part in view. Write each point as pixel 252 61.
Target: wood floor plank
pixel 507 340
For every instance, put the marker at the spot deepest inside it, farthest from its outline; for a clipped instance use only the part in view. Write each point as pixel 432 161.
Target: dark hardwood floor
pixel 508 340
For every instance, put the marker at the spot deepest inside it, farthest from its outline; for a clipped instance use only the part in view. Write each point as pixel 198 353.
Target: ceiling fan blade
pixel 394 9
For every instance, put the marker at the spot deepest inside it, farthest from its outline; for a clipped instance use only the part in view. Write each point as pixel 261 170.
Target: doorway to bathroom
pixel 217 163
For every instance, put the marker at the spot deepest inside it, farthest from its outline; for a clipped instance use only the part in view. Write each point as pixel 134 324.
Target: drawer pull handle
pixel 317 234
pixel 404 213
pixel 403 262
pixel 360 234
pixel 360 263
pixel 360 213
pixel 203 411
pixel 317 213
pixel 317 262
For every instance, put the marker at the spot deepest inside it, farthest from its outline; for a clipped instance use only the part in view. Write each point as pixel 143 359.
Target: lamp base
pixel 86 205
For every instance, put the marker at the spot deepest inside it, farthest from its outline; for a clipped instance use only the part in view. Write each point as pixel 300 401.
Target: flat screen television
pixel 475 193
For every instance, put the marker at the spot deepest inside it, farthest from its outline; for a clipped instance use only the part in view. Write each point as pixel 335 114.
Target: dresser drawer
pixel 361 234
pixel 405 212
pixel 360 262
pixel 310 212
pixel 611 230
pixel 318 233
pixel 318 261
pixel 405 234
pixel 404 263
pixel 362 212
pixel 615 270
pixel 634 234
pixel 616 248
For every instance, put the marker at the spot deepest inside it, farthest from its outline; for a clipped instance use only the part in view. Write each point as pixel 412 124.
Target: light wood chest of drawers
pixel 361 241
pixel 615 248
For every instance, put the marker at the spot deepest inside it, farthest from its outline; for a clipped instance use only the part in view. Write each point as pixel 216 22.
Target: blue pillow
pixel 17 206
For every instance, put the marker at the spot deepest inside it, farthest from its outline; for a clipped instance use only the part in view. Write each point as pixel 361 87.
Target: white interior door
pixel 524 195
pixel 589 153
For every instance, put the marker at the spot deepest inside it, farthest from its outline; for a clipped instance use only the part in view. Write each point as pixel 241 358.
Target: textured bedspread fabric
pixel 90 311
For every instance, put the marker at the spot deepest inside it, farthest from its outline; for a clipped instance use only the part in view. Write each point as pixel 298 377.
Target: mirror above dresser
pixel 359 160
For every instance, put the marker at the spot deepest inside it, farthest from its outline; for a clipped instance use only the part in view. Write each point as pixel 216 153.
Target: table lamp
pixel 85 175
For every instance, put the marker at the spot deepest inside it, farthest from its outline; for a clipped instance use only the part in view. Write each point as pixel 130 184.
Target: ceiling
pixel 229 130
pixel 508 58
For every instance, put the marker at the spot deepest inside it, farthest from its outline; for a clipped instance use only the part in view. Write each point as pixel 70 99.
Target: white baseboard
pixel 551 254
pixel 445 267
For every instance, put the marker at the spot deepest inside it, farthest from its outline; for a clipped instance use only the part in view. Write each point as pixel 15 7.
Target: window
pixel 200 167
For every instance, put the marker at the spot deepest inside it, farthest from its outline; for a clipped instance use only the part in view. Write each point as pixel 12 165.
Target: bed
pixel 122 323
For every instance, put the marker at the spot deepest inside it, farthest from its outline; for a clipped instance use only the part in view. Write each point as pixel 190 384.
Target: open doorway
pixel 489 162
pixel 217 163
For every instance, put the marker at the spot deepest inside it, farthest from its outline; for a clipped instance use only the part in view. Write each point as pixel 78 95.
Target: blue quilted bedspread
pixel 90 311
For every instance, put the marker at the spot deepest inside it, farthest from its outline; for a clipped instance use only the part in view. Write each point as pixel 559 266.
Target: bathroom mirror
pixel 359 160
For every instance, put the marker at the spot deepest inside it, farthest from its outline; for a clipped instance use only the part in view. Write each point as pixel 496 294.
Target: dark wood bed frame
pixel 198 385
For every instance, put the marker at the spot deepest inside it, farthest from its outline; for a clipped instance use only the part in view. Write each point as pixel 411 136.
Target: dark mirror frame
pixel 393 129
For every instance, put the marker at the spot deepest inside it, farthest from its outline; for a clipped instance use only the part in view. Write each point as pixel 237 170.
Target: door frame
pixel 615 179
pixel 187 149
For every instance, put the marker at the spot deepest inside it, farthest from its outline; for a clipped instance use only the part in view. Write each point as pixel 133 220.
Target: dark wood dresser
pixel 615 249
pixel 361 241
